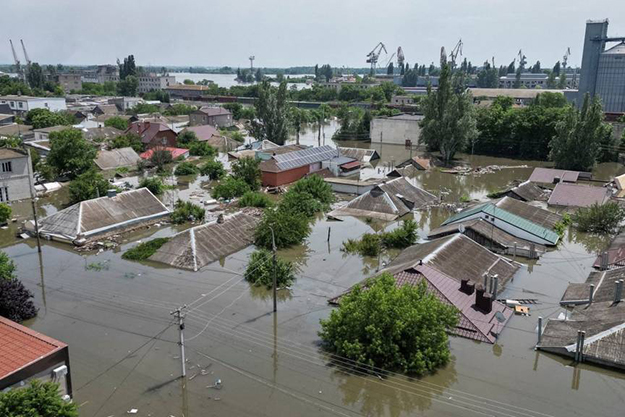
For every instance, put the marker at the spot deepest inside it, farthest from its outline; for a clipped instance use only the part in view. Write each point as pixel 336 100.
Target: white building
pixel 153 82
pixel 15 175
pixel 23 104
pixel 397 130
pixel 125 103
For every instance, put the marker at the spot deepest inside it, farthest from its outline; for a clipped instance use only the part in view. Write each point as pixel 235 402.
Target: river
pixel 113 314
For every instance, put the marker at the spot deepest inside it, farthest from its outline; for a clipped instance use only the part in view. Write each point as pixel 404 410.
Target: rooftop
pixel 362 155
pixel 175 152
pixel 574 195
pixel 203 132
pixel 117 158
pixel 8 153
pixel 21 346
pixel 296 159
pixel 526 191
pixel 549 175
pixel 213 111
pixel 604 287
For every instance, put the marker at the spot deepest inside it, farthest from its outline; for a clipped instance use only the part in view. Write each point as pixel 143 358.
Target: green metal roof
pixel 505 216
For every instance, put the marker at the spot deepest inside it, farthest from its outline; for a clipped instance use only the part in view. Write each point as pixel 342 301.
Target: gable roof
pixel 417 162
pixel 538 215
pixel 213 111
pixel 197 247
pixel 21 346
pixel 575 195
pixel 548 175
pixel 526 191
pixel 175 152
pixel 106 109
pixel 203 132
pixel 116 158
pixel 148 130
pixel 604 287
pixel 360 154
pixel 99 134
pixel 296 159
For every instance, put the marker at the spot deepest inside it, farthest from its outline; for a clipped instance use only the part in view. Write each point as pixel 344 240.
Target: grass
pixel 144 250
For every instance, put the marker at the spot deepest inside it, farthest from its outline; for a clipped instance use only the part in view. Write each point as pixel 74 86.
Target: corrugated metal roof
pixel 574 195
pixel 538 215
pixel 304 157
pixel 116 158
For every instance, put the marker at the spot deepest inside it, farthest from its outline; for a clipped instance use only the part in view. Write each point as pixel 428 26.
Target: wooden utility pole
pixel 32 200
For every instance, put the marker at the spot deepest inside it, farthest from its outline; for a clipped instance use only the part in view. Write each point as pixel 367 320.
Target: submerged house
pixel 614 256
pixel 574 195
pixel 201 245
pixel 551 176
pixel 526 191
pixel 421 164
pixel 387 201
pixel 117 158
pixel 285 168
pixel 516 218
pixel 461 273
pixel 94 218
pixel 359 154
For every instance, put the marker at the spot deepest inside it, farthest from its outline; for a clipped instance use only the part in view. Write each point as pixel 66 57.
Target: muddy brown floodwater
pixel 115 316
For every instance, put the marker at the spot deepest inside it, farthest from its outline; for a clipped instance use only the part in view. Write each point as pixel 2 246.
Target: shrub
pixel 290 229
pixel 371 244
pixel 186 168
pixel 186 137
pixel 160 158
pixel 255 199
pixel 5 213
pixel 260 270
pixel 599 218
pixel 213 169
pixel 301 202
pixel 202 149
pixel 130 139
pixel 187 211
pixel 394 328
pixel 248 170
pixel 15 301
pixel 144 250
pixel 116 122
pixel 316 187
pixel 154 184
pixel 230 188
pixel 7 267
pixel 238 136
pixel 37 399
pixel 179 109
pixel 89 185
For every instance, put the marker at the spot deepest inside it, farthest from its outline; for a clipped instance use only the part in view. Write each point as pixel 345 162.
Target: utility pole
pixel 32 200
pixel 178 313
pixel 275 278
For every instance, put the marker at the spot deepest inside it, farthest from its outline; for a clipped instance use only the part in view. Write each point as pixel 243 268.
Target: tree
pixel 562 81
pixel 577 143
pixel 536 68
pixel 298 118
pixel 70 154
pixel 130 139
pixel 248 171
pixel 38 399
pixel 186 168
pixel 213 169
pixel 15 299
pixel 7 267
pixel 271 112
pixel 604 218
pixel 127 68
pixel 128 86
pixel 317 188
pixel 202 149
pixel 551 80
pixel 230 188
pixel 290 229
pixel 35 76
pixel 511 68
pixel 154 184
pixel 255 199
pixel 160 157
pixel 449 116
pixel 187 211
pixel 116 122
pixel 410 78
pixel 260 270
pixel 40 118
pixel 556 68
pixel 259 76
pixel 395 328
pixel 88 185
pixel 326 72
pixel 488 76
pixel 188 82
pixel 5 213
pixel 186 137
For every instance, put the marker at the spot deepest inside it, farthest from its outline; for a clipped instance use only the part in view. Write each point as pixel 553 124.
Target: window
pixel 6 167
pixel 20 104
pixel 4 194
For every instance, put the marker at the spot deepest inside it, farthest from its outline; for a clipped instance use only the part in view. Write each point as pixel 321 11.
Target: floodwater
pixel 115 316
pixel 224 80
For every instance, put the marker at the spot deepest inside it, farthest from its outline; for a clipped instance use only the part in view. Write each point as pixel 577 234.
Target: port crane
pixel 25 54
pixel 565 58
pixel 374 55
pixel 455 53
pixel 16 60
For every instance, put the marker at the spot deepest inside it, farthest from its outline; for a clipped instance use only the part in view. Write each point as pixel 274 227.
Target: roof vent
pixel 111 193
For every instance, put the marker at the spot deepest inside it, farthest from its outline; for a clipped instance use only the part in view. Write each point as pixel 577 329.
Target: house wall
pixel 15 183
pixel 199 118
pixel 70 82
pixel 166 138
pixel 25 104
pixel 274 179
pixel 395 131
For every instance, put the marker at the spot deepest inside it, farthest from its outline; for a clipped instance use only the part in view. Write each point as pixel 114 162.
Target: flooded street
pixel 115 316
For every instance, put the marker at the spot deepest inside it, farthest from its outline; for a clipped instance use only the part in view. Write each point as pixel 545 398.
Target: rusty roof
pixel 577 195
pixel 21 346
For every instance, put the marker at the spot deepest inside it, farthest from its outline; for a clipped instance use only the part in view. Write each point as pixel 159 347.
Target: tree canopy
pixel 38 399
pixel 260 270
pixel 70 154
pixel 88 185
pixel 272 120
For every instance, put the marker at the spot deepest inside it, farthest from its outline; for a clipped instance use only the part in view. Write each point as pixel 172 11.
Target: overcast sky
pixel 282 33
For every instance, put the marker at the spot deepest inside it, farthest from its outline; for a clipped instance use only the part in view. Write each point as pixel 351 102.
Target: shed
pixel 577 195
pixel 117 158
pixel 359 154
pixel 91 218
pixel 201 245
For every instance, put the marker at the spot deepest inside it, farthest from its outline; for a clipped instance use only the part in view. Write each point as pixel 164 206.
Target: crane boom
pixel 457 51
pixel 25 53
pixel 15 58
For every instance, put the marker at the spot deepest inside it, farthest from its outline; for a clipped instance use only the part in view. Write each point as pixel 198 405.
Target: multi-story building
pixel 534 80
pixel 154 82
pixel 402 129
pixel 214 116
pixel 102 74
pixel 186 92
pixel 125 103
pixel 69 81
pixel 15 175
pixel 23 104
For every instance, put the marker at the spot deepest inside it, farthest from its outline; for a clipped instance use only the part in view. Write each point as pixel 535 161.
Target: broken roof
pixel 387 201
pixel 574 195
pixel 456 256
pixel 360 154
pixel 296 159
pixel 117 158
pixel 100 215
pixel 199 246
pixel 549 175
pixel 21 346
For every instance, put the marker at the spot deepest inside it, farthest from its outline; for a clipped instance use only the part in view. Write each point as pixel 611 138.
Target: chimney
pixel 556 180
pixel 467 286
pixel 111 193
pixel 483 300
pixel 220 218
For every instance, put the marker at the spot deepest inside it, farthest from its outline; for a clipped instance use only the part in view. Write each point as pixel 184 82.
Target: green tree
pixel 128 86
pixel 5 213
pixel 536 68
pixel 188 82
pixel 130 139
pixel 317 188
pixel 116 122
pixel 604 218
pixel 15 300
pixel 7 267
pixel 186 168
pixel 38 399
pixel 230 188
pixel 127 68
pixel 390 70
pixel 298 118
pixel 394 328
pixel 260 270
pixel 255 199
pixel 187 211
pixel 259 75
pixel 562 81
pixel 202 149
pixel 154 184
pixel 186 137
pixel 70 154
pixel 449 116
pixel 40 118
pixel 290 229
pixel 247 170
pixel 88 185
pixel 577 143
pixel 271 121
pixel 35 76
pixel 160 157
pixel 213 169
pixel 551 80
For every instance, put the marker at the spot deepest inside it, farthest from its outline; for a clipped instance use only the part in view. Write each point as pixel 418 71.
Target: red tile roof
pixel 21 346
pixel 175 152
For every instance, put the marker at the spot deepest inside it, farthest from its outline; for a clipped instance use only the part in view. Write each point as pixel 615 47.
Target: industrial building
pixel 154 82
pixel 402 129
pixel 603 71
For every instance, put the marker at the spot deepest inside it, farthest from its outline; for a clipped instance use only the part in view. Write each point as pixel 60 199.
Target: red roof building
pixel 175 152
pixel 26 354
pixel 154 134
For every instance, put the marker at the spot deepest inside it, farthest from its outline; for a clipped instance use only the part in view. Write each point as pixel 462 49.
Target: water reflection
pixel 264 294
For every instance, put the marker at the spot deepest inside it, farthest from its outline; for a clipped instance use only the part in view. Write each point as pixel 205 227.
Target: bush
pixel 260 270
pixel 317 188
pixel 290 229
pixel 371 244
pixel 186 137
pixel 86 186
pixel 255 199
pixel 116 122
pixel 186 168
pixel 154 184
pixel 187 211
pixel 400 329
pixel 144 250
pixel 7 267
pixel 248 170
pixel 160 158
pixel 179 109
pixel 5 213
pixel 213 169
pixel 301 202
pixel 238 136
pixel 599 218
pixel 38 399
pixel 230 188
pixel 202 149
pixel 129 140
pixel 15 301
